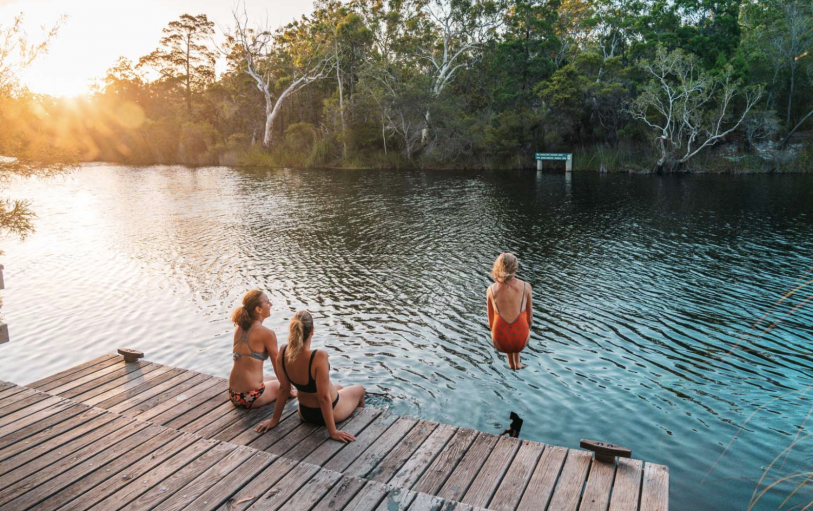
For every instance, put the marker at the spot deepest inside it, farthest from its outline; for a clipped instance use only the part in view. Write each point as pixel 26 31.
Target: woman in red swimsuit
pixel 509 298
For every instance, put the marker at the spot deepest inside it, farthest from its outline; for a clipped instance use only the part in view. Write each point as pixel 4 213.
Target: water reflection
pixel 643 286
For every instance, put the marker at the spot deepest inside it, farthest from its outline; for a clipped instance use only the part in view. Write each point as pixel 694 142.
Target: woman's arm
pixel 490 307
pixel 282 398
pixel 529 310
pixel 270 342
pixel 325 400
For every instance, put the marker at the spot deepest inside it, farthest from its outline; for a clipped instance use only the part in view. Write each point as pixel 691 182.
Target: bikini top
pixel 310 388
pixel 521 304
pixel 261 356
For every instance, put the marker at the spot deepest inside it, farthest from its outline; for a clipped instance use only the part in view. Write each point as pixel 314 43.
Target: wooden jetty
pixel 115 435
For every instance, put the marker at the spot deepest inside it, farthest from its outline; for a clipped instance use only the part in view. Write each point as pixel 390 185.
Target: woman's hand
pixel 342 437
pixel 266 425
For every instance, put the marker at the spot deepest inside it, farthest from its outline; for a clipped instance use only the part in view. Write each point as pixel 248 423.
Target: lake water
pixel 644 287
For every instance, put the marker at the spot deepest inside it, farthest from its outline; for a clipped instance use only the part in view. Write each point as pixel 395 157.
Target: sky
pixel 97 32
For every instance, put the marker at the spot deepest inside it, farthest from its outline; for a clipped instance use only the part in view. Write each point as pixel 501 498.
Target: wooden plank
pixel 14 389
pixel 130 467
pixel 397 499
pixel 346 454
pixel 292 439
pixel 463 475
pixel 216 401
pixel 571 481
pixel 655 492
pixel 23 478
pixel 426 502
pixel 437 473
pixel 108 381
pixel 414 467
pixel 64 386
pixel 393 461
pixel 12 399
pixel 220 492
pixel 313 491
pixel 540 487
pixel 516 479
pixel 173 408
pixel 156 395
pixel 116 385
pixel 89 461
pixel 285 488
pixel 368 498
pixel 131 382
pixel 173 404
pixel 230 464
pixel 358 420
pixel 213 422
pixel 37 422
pixel 43 402
pixel 341 493
pixel 167 486
pixel 627 487
pixel 57 439
pixel 110 358
pixel 51 437
pixel 242 432
pixel 171 377
pixel 370 458
pixel 599 484
pixel 136 485
pixel 488 479
pixel 249 494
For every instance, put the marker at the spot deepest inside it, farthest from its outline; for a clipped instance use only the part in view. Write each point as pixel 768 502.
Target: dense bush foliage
pixel 448 83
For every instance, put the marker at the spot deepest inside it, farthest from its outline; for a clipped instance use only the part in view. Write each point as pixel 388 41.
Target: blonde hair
pixel 301 328
pixel 244 315
pixel 505 267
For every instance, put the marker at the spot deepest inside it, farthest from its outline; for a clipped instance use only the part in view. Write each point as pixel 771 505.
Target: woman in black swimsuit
pixel 320 402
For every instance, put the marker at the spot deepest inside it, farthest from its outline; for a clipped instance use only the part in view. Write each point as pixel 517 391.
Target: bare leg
pixel 510 360
pixel 517 363
pixel 273 380
pixel 349 399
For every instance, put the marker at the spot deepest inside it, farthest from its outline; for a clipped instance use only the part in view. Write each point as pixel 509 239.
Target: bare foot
pixel 519 366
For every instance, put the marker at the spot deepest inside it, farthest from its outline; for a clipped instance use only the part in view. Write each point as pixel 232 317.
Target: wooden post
pixel 3 332
pixel 569 163
pixel 538 165
pixel 130 355
pixel 2 284
pixel 604 451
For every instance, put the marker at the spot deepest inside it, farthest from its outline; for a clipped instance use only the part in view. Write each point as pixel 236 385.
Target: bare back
pixel 247 371
pixel 509 299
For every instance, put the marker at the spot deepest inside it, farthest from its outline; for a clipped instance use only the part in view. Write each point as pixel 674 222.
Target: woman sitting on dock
pixel 320 402
pixel 510 295
pixel 253 343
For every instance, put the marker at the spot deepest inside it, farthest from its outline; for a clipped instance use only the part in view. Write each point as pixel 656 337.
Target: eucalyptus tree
pixel 281 62
pixel 688 108
pixel 185 56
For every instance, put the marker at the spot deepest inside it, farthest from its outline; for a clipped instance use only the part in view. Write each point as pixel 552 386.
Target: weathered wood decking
pixel 110 435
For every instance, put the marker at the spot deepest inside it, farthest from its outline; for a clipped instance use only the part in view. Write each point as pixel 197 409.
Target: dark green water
pixel 645 291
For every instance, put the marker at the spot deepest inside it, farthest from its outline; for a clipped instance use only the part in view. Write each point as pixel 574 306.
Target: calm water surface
pixel 643 290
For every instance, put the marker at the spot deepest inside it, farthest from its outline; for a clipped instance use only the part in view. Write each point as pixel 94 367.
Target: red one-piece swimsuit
pixel 510 337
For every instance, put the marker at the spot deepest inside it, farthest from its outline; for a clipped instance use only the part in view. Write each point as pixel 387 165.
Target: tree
pixel 184 56
pixel 281 63
pixel 689 109
pixel 24 149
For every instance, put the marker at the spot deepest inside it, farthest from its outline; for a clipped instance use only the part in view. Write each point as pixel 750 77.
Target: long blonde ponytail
pixel 301 328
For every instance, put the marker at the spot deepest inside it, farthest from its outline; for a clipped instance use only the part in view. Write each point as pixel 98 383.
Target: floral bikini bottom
pixel 246 399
